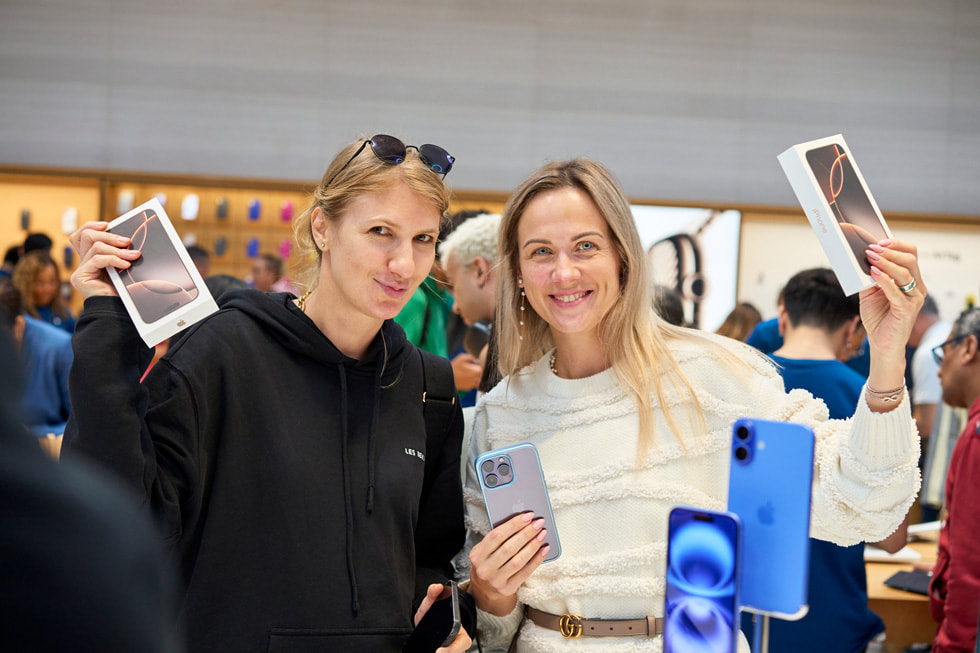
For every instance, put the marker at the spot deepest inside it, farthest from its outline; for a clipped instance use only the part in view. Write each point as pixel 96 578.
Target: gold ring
pixel 909 287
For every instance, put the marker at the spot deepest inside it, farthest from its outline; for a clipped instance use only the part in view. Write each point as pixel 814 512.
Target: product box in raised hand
pixel 162 289
pixel 840 208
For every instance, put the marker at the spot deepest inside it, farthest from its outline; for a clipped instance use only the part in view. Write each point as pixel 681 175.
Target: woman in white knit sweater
pixel 632 416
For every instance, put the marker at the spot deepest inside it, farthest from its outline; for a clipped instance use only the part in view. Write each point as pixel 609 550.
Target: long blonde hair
pixel 339 186
pixel 637 338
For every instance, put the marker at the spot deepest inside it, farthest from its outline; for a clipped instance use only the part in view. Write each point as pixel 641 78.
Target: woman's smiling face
pixel 568 262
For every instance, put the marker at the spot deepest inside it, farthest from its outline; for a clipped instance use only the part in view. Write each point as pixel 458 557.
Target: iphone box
pixel 162 289
pixel 840 208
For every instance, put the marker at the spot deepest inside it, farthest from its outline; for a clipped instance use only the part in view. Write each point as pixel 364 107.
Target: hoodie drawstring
pixel 372 464
pixel 348 508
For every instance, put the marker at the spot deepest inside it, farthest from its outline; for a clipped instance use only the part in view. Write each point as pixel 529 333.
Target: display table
pixel 906 614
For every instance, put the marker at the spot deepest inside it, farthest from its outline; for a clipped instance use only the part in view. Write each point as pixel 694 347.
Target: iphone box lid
pixel 162 291
pixel 839 206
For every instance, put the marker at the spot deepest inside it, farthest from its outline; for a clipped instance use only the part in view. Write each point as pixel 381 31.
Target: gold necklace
pixel 301 302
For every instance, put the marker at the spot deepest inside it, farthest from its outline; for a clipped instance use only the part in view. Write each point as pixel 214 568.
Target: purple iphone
pixel 513 483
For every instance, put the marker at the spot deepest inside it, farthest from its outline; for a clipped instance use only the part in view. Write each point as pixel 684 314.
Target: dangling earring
pixel 520 333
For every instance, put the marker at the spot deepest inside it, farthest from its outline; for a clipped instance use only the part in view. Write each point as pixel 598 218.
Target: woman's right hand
pixel 97 250
pixel 505 558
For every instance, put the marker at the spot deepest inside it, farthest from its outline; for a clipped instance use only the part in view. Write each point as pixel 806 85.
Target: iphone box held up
pixel 162 289
pixel 839 206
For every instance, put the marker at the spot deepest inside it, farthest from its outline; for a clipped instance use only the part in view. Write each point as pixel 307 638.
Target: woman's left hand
pixel 433 594
pixel 887 311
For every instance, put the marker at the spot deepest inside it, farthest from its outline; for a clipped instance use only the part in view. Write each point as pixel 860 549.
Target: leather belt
pixel 571 626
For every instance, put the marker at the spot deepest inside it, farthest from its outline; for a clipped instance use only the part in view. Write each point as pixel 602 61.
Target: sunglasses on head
pixel 392 151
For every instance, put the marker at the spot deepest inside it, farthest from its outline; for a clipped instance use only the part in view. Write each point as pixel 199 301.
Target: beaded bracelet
pixel 887 397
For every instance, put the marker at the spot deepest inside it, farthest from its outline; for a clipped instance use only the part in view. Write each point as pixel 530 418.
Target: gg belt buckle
pixel 569 626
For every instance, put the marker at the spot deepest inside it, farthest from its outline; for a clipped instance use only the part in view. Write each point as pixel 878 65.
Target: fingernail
pixel 876 248
pixel 545 549
pixel 538 524
pixel 542 535
pixel 886 242
pixel 528 516
pixel 875 272
pixel 871 255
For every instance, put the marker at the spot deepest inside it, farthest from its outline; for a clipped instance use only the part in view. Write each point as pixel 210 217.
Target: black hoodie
pixel 295 485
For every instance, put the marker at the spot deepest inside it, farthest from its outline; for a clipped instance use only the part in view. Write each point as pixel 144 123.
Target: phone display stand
pixel 760 633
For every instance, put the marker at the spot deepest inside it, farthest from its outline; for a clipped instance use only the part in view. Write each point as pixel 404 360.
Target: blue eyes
pixel 587 247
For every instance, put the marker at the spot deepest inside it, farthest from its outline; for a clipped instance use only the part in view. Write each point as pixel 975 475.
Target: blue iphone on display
pixel 701 608
pixel 512 482
pixel 769 489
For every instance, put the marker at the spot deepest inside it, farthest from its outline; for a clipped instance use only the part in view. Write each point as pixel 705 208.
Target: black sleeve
pixel 440 532
pixel 142 432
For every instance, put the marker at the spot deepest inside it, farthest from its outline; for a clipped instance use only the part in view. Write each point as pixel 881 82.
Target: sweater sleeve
pixel 866 470
pixel 143 433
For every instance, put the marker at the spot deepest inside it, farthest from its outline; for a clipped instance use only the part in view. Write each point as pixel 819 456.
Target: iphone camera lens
pixel 741 453
pixel 504 470
pixel 742 432
pixel 487 466
pixel 491 480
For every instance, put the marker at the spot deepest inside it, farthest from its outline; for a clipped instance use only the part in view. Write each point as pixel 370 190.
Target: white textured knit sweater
pixel 612 516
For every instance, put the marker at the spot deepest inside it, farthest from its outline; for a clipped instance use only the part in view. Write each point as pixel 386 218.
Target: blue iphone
pixel 701 608
pixel 769 489
pixel 512 482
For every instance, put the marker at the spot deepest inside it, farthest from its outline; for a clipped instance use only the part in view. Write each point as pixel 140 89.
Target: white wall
pixel 687 100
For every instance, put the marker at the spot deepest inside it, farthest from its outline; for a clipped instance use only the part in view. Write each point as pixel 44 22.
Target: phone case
pixel 513 482
pixel 703 548
pixel 769 489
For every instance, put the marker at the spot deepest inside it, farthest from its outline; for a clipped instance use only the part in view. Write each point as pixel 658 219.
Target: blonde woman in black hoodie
pixel 281 443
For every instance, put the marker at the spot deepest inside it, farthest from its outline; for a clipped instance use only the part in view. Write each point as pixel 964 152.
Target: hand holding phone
pixel 440 624
pixel 513 483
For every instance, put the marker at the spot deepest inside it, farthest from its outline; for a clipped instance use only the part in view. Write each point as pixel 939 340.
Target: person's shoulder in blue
pixel 63 321
pixel 46 359
pixel 822 328
pixel 765 336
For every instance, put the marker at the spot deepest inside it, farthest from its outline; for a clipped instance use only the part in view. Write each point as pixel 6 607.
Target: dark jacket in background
pixel 81 568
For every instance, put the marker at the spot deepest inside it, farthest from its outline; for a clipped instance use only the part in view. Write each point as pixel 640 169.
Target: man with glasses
pixel 954 593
